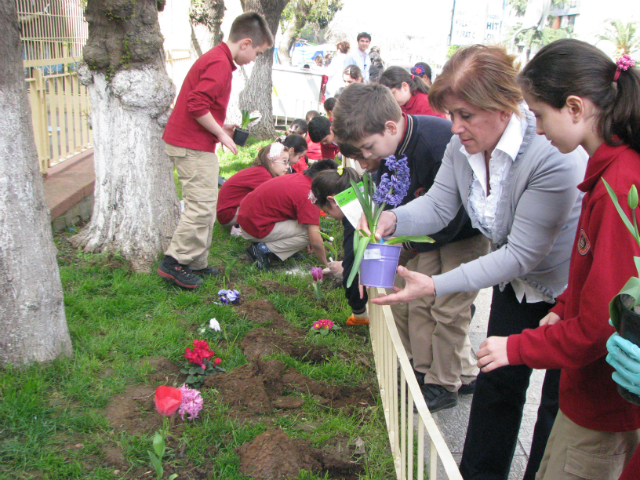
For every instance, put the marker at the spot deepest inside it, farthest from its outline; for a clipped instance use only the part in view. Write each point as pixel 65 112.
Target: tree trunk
pixel 257 93
pixel 135 205
pixel 33 327
pixel 286 42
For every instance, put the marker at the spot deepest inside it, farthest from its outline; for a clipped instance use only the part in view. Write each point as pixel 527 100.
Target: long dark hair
pixel 330 182
pixel 297 142
pixel 394 77
pixel 572 67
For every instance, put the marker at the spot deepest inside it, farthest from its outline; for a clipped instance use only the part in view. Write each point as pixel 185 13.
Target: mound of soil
pixel 274 455
pixel 261 342
pixel 261 388
pixel 129 411
pixel 270 286
pixel 261 311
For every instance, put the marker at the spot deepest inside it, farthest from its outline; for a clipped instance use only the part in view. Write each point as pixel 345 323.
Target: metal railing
pixel 407 448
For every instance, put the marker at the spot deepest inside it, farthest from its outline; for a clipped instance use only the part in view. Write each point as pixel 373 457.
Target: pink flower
pixel 191 402
pixel 168 400
pixel 217 362
pixel 316 273
pixel 325 323
pixel 193 357
pixel 316 325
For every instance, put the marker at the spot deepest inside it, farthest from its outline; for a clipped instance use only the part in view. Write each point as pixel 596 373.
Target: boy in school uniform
pixel 194 128
pixel 281 220
pixel 320 132
pixel 433 330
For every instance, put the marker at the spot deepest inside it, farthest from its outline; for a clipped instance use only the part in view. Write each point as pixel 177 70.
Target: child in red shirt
pixel 297 147
pixel 313 148
pixel 272 161
pixel 279 217
pixel 194 128
pixel 320 132
pixel 409 90
pixel 581 98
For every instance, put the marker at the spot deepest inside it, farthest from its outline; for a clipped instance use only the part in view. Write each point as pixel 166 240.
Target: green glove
pixel 624 357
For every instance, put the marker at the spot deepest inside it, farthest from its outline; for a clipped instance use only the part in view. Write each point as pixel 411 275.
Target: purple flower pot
pixel 379 265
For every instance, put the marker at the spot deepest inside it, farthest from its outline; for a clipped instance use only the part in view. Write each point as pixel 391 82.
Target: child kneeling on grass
pixel 281 220
pixel 326 185
pixel 272 161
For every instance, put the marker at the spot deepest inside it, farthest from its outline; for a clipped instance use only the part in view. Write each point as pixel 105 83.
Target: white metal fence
pixel 407 445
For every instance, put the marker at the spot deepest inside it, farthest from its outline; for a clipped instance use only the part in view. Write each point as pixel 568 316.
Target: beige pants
pixel 434 330
pixel 574 452
pixel 198 174
pixel 285 239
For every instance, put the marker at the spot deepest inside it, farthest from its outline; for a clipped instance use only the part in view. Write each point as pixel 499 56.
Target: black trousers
pixel 499 398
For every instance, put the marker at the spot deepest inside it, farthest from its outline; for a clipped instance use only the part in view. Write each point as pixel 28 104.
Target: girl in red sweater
pixel 409 90
pixel 272 161
pixel 581 98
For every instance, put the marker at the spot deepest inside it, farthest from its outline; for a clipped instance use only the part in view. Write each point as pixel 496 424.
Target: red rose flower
pixel 168 400
pixel 217 361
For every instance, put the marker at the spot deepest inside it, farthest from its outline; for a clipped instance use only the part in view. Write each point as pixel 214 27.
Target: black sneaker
pixel 180 274
pixel 438 398
pixel 467 389
pixel 207 271
pixel 260 254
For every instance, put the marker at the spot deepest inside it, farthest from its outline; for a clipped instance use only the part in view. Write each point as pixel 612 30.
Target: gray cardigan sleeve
pixel 541 212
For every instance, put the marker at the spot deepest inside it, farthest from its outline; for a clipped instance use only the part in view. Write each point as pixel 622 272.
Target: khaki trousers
pixel 434 330
pixel 285 239
pixel 577 453
pixel 198 174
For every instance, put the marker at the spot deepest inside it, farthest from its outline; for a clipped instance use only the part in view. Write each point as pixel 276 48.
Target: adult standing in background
pixel 377 65
pixel 336 68
pixel 360 57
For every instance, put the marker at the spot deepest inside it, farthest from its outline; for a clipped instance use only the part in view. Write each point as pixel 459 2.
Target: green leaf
pixel 623 215
pixel 191 379
pixel 159 445
pixel 184 371
pixel 355 268
pixel 410 238
pixel 156 463
pixel 173 476
pixel 366 206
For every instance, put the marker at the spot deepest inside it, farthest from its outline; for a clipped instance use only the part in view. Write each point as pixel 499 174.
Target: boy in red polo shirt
pixel 194 128
pixel 320 132
pixel 279 217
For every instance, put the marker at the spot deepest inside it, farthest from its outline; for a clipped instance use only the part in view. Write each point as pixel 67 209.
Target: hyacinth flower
pixel 392 189
pixel 316 275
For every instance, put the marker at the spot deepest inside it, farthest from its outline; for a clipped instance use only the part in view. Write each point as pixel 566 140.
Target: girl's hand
pixel 334 268
pixel 416 285
pixel 493 354
pixel 386 225
pixel 550 319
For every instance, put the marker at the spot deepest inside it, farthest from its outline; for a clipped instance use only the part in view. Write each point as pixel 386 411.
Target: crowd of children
pixel 580 98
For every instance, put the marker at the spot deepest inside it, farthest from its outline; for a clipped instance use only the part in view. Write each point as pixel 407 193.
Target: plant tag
pixel 372 254
pixel 349 204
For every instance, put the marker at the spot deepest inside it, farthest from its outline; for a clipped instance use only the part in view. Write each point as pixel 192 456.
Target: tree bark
pixel 135 205
pixel 257 93
pixel 33 327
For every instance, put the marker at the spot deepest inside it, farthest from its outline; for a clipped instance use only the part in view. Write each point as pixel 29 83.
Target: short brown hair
pixel 363 110
pixel 483 76
pixel 353 71
pixel 251 25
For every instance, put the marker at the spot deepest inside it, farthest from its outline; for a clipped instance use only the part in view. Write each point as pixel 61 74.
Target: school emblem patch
pixel 583 243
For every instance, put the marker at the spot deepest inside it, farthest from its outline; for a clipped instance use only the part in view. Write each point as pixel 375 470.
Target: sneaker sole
pixel 174 280
pixel 443 407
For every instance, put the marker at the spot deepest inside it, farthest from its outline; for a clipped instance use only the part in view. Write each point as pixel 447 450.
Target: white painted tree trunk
pixel 135 205
pixel 33 327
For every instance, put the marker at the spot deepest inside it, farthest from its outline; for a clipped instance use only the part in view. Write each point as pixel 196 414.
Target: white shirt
pixel 362 61
pixel 484 206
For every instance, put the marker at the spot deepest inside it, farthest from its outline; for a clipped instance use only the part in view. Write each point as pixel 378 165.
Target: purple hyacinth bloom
pixel 191 403
pixel 316 273
pixel 393 188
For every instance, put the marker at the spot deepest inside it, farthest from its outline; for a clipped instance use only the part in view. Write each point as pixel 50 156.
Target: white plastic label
pixel 372 254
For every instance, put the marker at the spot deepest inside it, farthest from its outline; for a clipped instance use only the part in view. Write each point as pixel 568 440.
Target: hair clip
pixel 275 151
pixel 624 62
pixel 340 169
pixel 417 70
pixel 312 197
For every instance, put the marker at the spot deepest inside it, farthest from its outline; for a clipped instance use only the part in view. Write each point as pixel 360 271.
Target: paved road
pixel 453 422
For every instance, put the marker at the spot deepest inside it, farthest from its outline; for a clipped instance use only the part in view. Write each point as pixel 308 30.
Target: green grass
pixel 52 417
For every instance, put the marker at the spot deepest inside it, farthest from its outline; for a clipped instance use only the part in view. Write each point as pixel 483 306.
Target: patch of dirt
pixel 261 342
pixel 129 410
pixel 113 456
pixel 164 372
pixel 274 455
pixel 261 311
pixel 262 387
pixel 269 286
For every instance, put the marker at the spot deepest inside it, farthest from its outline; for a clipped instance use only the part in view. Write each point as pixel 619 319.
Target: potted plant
pixel 624 309
pixel 240 135
pixel 377 261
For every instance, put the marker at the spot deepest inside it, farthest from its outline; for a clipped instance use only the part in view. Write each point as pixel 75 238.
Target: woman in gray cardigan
pixel 520 192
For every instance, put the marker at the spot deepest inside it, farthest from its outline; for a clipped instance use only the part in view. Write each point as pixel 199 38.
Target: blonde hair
pixel 483 76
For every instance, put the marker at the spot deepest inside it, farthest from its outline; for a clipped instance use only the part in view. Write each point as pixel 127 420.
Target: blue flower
pixel 393 188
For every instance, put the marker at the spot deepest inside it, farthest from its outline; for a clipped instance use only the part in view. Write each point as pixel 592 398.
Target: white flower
pixel 331 239
pixel 214 325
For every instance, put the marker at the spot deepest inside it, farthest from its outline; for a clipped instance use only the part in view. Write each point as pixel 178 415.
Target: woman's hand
pixel 386 225
pixel 416 285
pixel 550 319
pixel 493 354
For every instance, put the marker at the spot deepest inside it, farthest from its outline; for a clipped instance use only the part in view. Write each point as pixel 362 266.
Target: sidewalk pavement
pixel 453 422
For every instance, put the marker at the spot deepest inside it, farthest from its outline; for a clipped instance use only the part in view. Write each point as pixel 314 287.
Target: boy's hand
pixel 550 319
pixel 229 128
pixel 386 225
pixel 227 141
pixel 493 354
